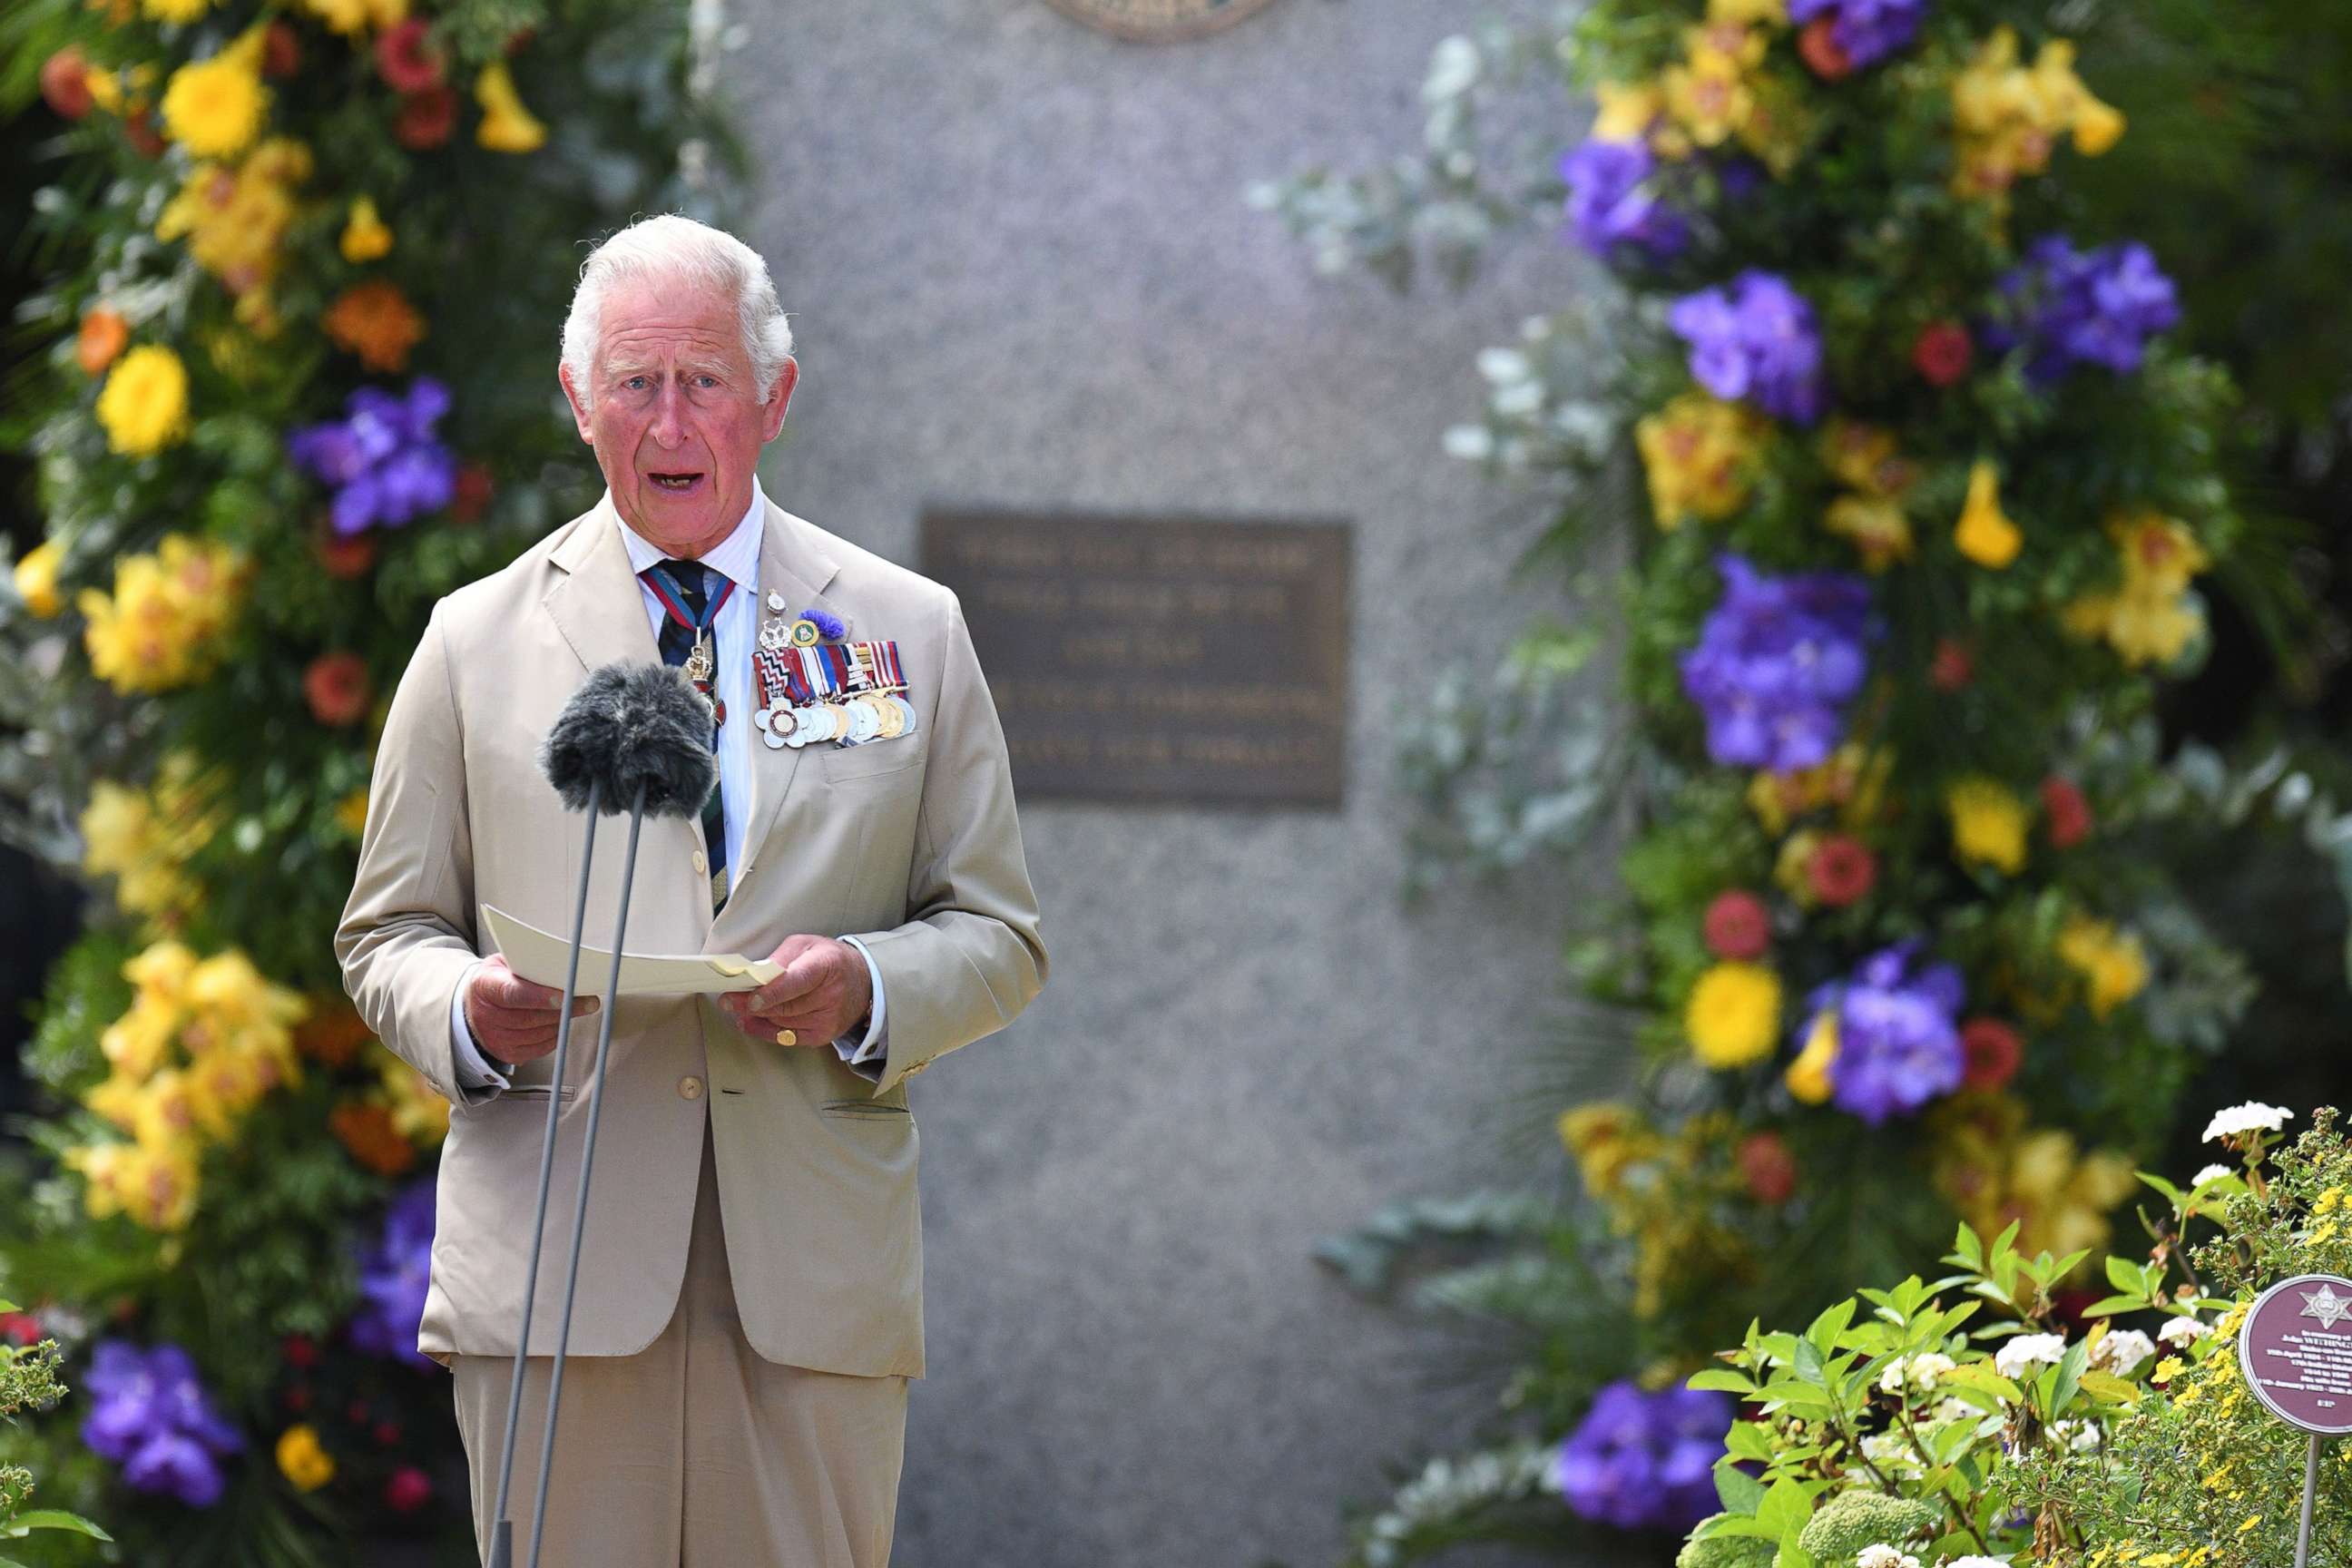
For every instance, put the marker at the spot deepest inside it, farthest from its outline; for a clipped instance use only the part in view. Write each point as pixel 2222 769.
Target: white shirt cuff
pixel 867 1055
pixel 474 1069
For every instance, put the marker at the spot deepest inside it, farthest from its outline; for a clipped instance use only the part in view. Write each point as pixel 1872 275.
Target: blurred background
pixel 1432 1072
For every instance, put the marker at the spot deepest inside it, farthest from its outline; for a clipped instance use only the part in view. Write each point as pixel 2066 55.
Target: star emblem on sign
pixel 2325 1305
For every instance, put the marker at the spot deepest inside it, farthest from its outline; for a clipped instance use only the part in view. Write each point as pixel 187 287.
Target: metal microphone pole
pixel 587 1169
pixel 502 1531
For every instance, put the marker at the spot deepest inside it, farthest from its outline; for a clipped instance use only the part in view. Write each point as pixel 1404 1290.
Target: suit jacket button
pixel 699 863
pixel 689 1087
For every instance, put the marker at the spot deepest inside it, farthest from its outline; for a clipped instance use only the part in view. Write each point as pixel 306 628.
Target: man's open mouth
pixel 676 484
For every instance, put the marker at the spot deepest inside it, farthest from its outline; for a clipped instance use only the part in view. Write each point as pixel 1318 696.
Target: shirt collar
pixel 737 556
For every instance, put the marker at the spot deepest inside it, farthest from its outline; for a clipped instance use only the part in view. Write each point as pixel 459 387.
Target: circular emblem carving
pixel 2294 1350
pixel 1157 21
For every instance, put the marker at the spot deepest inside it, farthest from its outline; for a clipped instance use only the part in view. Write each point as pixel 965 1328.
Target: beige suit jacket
pixel 909 844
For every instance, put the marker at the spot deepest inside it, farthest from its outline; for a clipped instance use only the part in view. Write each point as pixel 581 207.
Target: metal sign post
pixel 2295 1351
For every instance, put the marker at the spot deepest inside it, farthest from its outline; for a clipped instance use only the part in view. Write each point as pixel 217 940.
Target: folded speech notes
pixel 541 956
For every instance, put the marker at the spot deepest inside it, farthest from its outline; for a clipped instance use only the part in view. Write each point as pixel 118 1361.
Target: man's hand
pixel 823 994
pixel 512 1019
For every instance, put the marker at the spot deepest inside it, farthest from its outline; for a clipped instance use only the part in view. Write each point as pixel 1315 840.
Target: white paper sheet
pixel 541 956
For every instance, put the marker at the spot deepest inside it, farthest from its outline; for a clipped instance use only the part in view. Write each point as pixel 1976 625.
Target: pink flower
pixel 1738 925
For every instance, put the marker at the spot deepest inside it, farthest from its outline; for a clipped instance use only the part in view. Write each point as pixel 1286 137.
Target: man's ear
pixel 572 395
pixel 780 394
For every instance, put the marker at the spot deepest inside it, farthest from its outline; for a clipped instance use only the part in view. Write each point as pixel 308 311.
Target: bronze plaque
pixel 1157 659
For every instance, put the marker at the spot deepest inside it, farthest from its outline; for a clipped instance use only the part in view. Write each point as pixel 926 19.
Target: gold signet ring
pixel 786 1037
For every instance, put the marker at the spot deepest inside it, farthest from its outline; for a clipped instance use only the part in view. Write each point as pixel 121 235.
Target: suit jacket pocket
pixel 874 1109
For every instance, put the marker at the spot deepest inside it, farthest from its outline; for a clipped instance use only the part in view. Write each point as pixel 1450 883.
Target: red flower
pixel 282 51
pixel 65 82
pixel 1953 666
pixel 19 1329
pixel 1737 925
pixel 346 556
pixel 1819 50
pixel 139 128
pixel 1992 1050
pixel 425 119
pixel 2068 812
pixel 336 687
pixel 408 1489
pixel 300 1351
pixel 298 1398
pixel 1841 870
pixel 1768 1168
pixel 405 57
pixel 1942 352
pixel 358 1411
pixel 387 1433
pixel 474 491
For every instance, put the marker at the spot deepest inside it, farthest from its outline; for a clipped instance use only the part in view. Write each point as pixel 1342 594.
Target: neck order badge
pixel 2295 1351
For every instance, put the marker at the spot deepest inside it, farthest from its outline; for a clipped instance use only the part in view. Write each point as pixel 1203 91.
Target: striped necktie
pixel 687 617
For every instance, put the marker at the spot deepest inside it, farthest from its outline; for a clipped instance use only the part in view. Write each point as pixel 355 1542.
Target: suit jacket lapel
pixel 596 602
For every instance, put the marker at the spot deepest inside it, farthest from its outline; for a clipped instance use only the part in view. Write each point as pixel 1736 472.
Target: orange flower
pixel 366 1130
pixel 375 321
pixel 333 1034
pixel 104 335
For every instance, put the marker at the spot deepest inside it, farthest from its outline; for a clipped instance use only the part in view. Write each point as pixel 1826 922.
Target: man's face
pixel 673 414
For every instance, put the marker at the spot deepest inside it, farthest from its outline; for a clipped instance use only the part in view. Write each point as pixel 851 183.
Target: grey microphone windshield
pixel 633 723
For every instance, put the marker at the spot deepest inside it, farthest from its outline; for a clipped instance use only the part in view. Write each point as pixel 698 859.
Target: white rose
pixel 2123 1353
pixel 2020 1355
pixel 2183 1331
pixel 2251 1117
pixel 2211 1173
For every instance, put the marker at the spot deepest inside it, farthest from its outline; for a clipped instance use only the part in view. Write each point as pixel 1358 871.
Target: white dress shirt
pixel 732 631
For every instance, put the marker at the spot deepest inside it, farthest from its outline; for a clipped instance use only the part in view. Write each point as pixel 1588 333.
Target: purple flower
pixel 1757 339
pixel 150 1414
pixel 1865 31
pixel 2072 307
pixel 394 1277
pixel 1897 1032
pixel 826 623
pixel 382 459
pixel 1613 202
pixel 1776 662
pixel 1643 1461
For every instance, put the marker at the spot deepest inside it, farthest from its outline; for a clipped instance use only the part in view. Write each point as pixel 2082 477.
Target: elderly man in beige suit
pixel 750 1302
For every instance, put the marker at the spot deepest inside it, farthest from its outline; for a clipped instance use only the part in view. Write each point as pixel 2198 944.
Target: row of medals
pixel 869 716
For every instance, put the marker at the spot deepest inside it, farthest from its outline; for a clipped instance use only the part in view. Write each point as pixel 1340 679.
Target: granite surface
pixel 1022 273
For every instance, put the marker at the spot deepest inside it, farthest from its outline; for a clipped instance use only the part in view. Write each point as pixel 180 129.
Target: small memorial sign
pixel 2295 1350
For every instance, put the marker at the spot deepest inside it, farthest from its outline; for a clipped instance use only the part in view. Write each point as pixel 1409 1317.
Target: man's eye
pixel 634 382
pixel 706 380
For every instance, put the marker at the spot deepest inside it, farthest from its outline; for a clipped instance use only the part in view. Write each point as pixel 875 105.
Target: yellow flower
pixel 2250 1523
pixel 235 220
pixel 1876 525
pixel 1775 12
pixel 1627 109
pixel 1984 534
pixel 155 1185
pixel 162 627
pixel 1790 867
pixel 1699 455
pixel 418 1112
pixel 1995 1169
pixel 303 1461
pixel 1733 1014
pixel 1808 1077
pixel 145 404
pixel 37 579
pixel 2113 962
pixel 365 237
pixel 357 16
pixel 174 10
pixel 507 126
pixel 351 811
pixel 1988 823
pixel 1709 97
pixel 2152 614
pixel 2006 117
pixel 215 107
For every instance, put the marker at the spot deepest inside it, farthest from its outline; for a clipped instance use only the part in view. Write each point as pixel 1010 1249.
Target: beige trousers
pixel 695 1452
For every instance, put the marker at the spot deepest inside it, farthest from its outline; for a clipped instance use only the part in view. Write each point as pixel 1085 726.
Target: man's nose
pixel 669 414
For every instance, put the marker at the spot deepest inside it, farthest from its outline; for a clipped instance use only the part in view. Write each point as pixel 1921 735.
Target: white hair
pixel 673 248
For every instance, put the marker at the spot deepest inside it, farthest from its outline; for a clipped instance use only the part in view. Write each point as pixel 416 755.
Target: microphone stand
pixel 502 1528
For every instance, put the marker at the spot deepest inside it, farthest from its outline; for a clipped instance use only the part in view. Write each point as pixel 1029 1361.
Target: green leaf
pixel 1741 1492
pixel 2108 1306
pixel 2172 1195
pixel 1832 1322
pixel 1724 1378
pixel 1966 1249
pixel 2107 1385
pixel 2070 1377
pixel 1786 1508
pixel 2125 1276
pixel 54 1519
